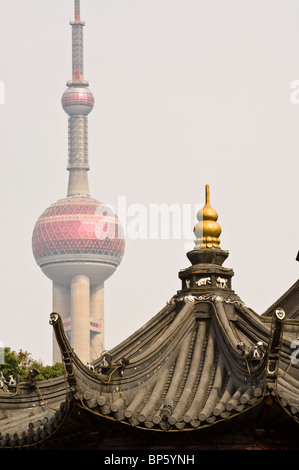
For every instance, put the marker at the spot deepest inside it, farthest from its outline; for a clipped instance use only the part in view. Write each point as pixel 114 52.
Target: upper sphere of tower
pixel 77 100
pixel 78 233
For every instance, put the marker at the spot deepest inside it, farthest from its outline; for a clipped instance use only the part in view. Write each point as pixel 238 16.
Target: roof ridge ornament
pixel 207 230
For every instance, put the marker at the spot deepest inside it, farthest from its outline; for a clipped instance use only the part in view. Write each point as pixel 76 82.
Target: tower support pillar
pixel 80 317
pixel 96 321
pixel 61 305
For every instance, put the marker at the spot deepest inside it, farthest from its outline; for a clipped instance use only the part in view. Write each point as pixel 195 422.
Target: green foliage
pixel 49 372
pixel 19 364
pixel 12 365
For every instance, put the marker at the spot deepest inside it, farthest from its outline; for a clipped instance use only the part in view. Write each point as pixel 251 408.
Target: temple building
pixel 206 372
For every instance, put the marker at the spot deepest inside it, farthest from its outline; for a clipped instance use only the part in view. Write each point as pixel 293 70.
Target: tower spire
pixel 77 10
pixel 77 45
pixel 77 102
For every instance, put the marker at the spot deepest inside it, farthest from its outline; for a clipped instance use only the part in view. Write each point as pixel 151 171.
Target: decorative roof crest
pixel 207 230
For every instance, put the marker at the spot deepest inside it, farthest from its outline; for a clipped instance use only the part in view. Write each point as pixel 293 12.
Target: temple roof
pixel 204 360
pixel 288 301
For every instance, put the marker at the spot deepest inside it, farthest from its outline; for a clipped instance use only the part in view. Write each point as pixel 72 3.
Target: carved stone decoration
pixel 7 385
pixel 203 281
pixel 257 351
pixel 189 298
pixel 221 282
pixel 2 381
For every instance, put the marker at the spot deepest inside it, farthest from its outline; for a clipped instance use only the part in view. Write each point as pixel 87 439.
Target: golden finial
pixel 207 230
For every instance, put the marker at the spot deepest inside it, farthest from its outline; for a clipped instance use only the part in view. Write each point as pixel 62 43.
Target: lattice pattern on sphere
pixel 78 225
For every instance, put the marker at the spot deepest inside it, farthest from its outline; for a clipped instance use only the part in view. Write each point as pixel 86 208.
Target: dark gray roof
pixel 288 301
pixel 204 359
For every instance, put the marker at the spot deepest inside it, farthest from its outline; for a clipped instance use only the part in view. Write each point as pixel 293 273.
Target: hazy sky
pixel 187 92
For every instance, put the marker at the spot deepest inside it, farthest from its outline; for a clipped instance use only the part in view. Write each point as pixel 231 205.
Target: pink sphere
pixel 78 229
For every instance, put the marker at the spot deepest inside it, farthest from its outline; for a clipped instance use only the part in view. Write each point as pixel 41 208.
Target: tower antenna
pixel 78 102
pixel 77 45
pixel 77 10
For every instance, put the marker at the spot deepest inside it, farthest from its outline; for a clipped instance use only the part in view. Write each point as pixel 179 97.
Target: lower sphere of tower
pixel 78 235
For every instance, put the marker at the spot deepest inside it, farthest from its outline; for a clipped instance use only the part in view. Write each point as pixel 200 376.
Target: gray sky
pixel 187 92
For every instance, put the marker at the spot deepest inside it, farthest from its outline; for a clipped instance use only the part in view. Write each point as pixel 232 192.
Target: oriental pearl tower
pixel 78 241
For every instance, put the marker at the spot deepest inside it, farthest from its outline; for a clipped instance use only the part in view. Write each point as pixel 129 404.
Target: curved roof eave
pixel 194 364
pixel 203 360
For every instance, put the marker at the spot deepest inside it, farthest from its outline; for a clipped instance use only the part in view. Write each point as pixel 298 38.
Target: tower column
pixel 77 41
pixel 80 316
pixel 96 321
pixel 78 155
pixel 61 305
pixel 78 182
